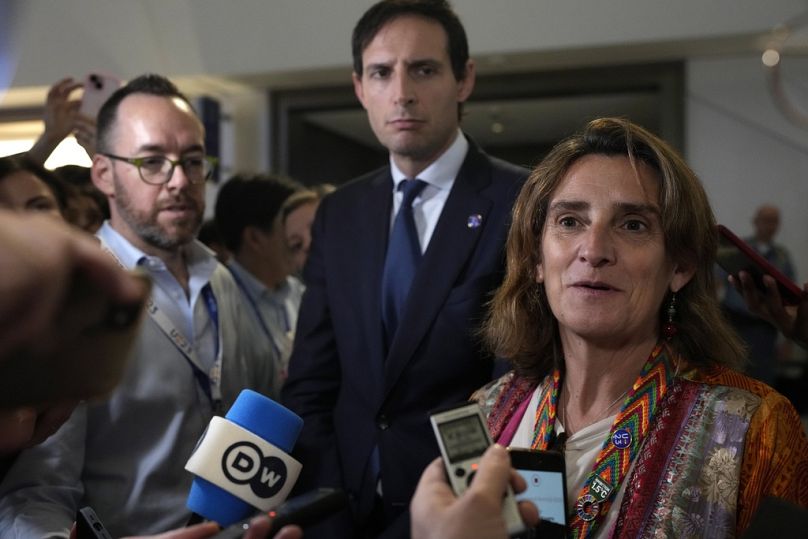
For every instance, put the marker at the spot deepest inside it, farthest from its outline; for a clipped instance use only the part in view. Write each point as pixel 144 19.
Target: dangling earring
pixel 670 329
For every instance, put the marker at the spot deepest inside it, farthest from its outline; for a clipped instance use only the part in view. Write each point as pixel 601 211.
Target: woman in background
pixel 27 186
pixel 298 215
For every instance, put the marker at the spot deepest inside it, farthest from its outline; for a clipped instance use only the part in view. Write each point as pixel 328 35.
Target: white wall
pixel 741 146
pixel 244 37
pixel 745 151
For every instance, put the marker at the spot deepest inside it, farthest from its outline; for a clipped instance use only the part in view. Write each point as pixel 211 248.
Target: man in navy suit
pixel 364 388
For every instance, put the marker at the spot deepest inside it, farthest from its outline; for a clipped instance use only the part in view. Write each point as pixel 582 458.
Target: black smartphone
pixel 304 510
pixel 545 475
pixel 89 526
pixel 735 255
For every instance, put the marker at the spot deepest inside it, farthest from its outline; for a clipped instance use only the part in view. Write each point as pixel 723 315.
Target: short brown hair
pixel 440 11
pixel 148 84
pixel 521 327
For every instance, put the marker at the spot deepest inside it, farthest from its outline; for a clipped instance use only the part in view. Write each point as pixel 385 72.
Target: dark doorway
pixel 322 135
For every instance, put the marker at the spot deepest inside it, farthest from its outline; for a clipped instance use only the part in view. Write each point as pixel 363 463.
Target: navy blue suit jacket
pixel 353 393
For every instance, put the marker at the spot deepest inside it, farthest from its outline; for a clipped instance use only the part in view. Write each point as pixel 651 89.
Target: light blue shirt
pixel 273 310
pixel 125 456
pixel 189 313
pixel 440 177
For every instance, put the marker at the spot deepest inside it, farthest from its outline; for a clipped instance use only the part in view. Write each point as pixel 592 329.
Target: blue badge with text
pixel 622 439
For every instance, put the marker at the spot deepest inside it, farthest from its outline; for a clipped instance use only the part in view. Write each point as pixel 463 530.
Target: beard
pixel 167 235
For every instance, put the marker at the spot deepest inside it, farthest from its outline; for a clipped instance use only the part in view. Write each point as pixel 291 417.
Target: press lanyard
pixel 272 340
pixel 620 447
pixel 209 381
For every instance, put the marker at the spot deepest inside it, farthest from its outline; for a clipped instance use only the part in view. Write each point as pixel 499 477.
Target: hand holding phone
pixel 98 87
pixel 735 256
pixel 767 292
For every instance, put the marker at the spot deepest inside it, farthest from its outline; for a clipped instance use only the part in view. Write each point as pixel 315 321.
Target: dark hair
pixel 81 179
pixel 521 326
pixel 149 84
pixel 438 10
pixel 250 200
pixel 20 163
pixel 75 174
pixel 209 233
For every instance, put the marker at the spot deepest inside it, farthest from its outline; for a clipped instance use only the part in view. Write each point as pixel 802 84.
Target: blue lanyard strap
pixel 264 327
pixel 210 382
pixel 213 312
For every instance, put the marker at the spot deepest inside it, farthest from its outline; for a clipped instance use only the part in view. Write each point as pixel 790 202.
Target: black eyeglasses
pixel 158 169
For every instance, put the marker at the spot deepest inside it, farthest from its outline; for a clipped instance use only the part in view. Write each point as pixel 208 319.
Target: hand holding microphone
pixel 242 462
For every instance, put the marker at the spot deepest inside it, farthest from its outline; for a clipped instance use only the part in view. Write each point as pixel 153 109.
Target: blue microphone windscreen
pixel 266 418
pixel 216 504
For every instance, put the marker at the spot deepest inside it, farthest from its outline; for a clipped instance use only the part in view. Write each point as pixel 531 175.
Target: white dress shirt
pixel 440 177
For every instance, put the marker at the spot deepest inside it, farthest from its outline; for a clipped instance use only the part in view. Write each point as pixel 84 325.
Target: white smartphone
pixel 463 438
pixel 98 87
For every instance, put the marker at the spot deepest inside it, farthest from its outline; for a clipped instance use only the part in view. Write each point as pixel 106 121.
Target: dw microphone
pixel 242 461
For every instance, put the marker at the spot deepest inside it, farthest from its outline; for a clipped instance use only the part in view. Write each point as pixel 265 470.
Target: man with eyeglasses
pixel 125 456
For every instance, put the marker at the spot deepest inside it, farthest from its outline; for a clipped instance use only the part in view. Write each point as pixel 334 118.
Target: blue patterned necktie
pixel 403 256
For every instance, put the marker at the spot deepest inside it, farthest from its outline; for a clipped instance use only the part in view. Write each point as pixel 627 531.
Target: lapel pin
pixel 474 220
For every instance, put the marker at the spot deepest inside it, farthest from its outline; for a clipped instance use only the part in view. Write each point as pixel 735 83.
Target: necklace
pixel 621 446
pixel 567 423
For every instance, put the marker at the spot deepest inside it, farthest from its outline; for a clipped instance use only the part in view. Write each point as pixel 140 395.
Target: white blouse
pixel 580 451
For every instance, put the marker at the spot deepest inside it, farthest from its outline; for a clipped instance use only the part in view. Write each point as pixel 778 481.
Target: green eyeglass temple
pixel 164 176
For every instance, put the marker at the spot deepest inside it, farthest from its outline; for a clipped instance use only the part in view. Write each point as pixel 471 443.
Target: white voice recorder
pixel 463 438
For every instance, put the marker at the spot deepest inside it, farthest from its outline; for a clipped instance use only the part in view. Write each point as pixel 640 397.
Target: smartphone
pixel 89 526
pixel 97 89
pixel 304 510
pixel 463 438
pixel 735 255
pixel 546 479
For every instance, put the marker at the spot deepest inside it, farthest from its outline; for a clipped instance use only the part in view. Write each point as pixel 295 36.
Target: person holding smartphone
pixel 62 118
pixel 758 333
pixel 791 320
pixel 622 359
